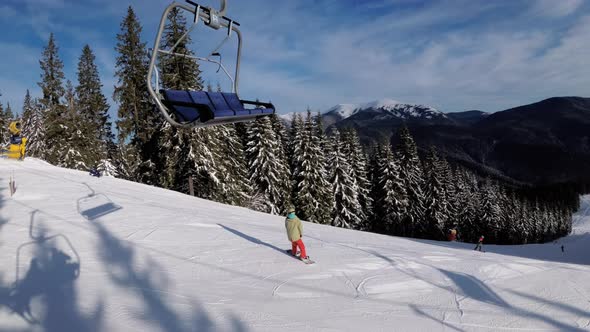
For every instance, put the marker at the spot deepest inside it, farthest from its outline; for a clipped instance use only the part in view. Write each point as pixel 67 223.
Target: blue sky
pixel 453 55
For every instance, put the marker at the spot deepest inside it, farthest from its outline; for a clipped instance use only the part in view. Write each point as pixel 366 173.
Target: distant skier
pixel 95 172
pixel 562 248
pixel 479 244
pixel 295 233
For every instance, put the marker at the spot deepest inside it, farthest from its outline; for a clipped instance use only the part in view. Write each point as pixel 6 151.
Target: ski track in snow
pixel 154 260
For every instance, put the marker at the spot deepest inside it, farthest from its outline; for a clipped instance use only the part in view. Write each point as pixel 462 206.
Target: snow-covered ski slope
pixel 80 253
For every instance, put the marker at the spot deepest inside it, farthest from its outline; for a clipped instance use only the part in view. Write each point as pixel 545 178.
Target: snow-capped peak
pixel 385 103
pixel 344 110
pixel 391 108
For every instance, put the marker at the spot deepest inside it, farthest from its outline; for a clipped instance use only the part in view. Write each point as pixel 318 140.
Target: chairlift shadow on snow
pixel 46 294
pixel 150 284
pixel 95 205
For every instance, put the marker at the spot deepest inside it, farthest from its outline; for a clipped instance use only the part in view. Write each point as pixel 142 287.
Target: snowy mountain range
pixel 379 110
pixel 81 253
pixel 388 107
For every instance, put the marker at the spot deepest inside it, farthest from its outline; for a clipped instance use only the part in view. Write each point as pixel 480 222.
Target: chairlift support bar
pixel 210 17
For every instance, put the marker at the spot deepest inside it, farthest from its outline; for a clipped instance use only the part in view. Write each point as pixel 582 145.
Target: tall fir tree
pixel 359 165
pixel 489 215
pixel 295 145
pixel 234 187
pixel 52 77
pixel 281 131
pixel 346 209
pixel 324 188
pixel 436 212
pixel 8 113
pixel 412 176
pixel 4 133
pixel 93 110
pixel 78 145
pixel 33 126
pixel 388 193
pixel 138 123
pixel 312 191
pixel 178 72
pixel 268 170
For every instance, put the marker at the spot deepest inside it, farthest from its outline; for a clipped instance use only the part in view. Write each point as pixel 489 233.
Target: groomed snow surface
pixel 80 253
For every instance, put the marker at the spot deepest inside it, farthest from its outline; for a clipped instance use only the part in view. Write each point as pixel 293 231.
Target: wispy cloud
pixel 553 8
pixel 451 54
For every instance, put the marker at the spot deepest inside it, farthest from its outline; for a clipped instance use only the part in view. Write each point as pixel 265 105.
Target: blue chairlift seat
pixel 212 107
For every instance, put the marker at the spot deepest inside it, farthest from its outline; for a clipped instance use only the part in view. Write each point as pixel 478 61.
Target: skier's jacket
pixel 294 228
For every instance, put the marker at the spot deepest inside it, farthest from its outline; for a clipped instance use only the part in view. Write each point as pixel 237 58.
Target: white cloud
pixel 453 55
pixel 555 8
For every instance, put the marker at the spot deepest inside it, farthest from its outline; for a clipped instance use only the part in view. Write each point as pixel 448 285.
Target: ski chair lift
pixel 188 108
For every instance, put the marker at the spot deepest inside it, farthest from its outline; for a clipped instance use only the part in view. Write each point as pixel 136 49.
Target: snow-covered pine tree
pixel 390 201
pixel 138 124
pixel 268 170
pixel 447 175
pixel 93 109
pixel 509 231
pixel 436 212
pixel 358 161
pixel 10 116
pixel 3 127
pixel 312 191
pixel 346 210
pixel 4 133
pixel 6 116
pixel 295 146
pixel 178 72
pixel 51 85
pixel 540 216
pixel 412 177
pixel 78 146
pixel 126 161
pixel 469 200
pixel 281 131
pixel 325 192
pixel 234 187
pixel 33 126
pixel 489 215
pixel 522 216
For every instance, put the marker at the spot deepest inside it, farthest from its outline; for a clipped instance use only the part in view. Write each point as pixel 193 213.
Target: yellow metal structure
pixel 15 128
pixel 17 147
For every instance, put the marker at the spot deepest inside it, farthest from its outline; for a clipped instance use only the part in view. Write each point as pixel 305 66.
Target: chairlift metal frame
pixel 214 19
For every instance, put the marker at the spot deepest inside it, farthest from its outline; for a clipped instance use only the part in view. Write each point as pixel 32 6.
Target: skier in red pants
pixel 479 244
pixel 295 233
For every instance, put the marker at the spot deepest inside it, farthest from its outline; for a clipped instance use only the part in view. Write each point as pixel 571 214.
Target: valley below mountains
pixel 543 143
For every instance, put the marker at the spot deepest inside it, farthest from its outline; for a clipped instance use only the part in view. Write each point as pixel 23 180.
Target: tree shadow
pixel 253 239
pixel 421 312
pixel 148 285
pixel 473 288
pixel 560 306
pixel 46 295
